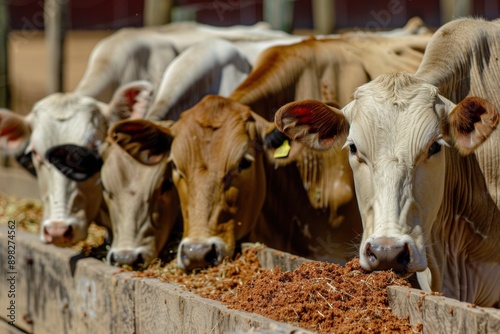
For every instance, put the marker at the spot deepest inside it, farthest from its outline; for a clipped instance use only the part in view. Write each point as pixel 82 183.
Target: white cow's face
pixel 398 160
pixel 72 195
pixel 69 207
pixel 397 130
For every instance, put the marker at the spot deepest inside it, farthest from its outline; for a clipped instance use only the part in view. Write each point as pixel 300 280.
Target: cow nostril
pixel 387 253
pixel 112 260
pixel 139 263
pixel 372 258
pixel 212 256
pixel 69 232
pixel 124 257
pixel 404 257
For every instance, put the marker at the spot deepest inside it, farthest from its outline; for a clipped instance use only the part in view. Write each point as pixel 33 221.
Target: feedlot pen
pixel 58 291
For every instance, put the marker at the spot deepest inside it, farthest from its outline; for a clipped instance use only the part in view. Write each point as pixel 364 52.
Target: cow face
pixel 217 155
pixel 68 118
pixel 400 129
pixel 138 189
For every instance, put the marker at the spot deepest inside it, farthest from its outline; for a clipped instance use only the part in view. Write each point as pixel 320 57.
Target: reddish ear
pixel 15 131
pixel 471 123
pixel 312 123
pixel 130 101
pixel 145 141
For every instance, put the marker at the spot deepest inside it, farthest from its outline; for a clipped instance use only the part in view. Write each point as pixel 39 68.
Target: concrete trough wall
pixel 58 291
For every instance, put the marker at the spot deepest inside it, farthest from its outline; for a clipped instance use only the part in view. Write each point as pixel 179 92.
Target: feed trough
pixel 58 290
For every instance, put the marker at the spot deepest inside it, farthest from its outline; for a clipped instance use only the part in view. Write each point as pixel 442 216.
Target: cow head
pixel 67 118
pixel 399 136
pixel 217 151
pixel 137 187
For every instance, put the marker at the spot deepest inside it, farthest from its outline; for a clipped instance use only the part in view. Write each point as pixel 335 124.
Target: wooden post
pixel 55 13
pixel 157 12
pixel 4 78
pixel 451 9
pixel 323 16
pixel 279 13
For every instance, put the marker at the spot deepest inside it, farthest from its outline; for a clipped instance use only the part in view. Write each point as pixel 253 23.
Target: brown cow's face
pixel 218 173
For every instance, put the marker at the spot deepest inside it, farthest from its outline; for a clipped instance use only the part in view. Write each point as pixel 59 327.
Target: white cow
pixel 215 66
pixel 425 155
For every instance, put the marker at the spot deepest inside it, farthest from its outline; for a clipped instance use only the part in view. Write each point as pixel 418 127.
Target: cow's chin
pixel 200 253
pixel 63 233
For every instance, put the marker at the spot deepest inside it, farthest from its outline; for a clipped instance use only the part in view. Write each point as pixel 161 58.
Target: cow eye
pixel 244 164
pixel 104 190
pixel 353 149
pixel 175 170
pixel 435 148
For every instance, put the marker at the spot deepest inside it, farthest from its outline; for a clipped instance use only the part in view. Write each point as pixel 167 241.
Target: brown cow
pixel 223 183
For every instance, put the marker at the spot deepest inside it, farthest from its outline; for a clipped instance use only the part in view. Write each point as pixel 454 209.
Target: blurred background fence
pixel 45 44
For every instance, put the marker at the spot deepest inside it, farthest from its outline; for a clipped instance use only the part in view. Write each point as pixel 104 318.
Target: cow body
pixel 424 153
pixel 143 53
pixel 215 66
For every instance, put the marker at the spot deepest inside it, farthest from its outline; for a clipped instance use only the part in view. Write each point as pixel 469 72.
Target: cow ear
pixel 76 162
pixel 281 149
pixel 145 141
pixel 471 123
pixel 130 101
pixel 312 123
pixel 15 132
pixel 25 159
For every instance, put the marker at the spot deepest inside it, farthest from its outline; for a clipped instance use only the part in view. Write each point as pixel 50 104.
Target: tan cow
pixel 425 152
pixel 143 204
pixel 221 182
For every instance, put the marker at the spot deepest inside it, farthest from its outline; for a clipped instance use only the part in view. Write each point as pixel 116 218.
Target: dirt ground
pixel 28 67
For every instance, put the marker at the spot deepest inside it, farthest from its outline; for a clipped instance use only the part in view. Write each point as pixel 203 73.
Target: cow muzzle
pixel 130 257
pixel 385 253
pixel 58 233
pixel 193 254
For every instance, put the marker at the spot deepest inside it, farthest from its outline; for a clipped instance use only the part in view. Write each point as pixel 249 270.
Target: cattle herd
pixel 381 145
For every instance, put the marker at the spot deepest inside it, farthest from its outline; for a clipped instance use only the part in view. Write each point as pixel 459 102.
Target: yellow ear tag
pixel 283 150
